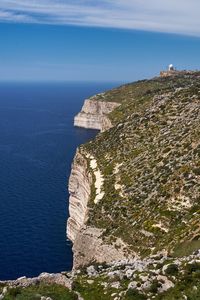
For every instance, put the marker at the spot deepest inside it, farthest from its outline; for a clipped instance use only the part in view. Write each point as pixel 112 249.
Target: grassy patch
pixel 56 292
pixel 186 248
pixel 94 291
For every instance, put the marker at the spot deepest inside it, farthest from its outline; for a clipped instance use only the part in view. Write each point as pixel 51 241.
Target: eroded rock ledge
pixel 94 113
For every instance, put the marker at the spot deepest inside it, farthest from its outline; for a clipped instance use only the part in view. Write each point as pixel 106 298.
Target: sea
pixel 37 145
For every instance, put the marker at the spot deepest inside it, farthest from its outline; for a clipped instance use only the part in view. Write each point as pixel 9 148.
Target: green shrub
pixel 135 295
pixel 34 292
pixel 171 270
pixel 154 286
pixel 14 292
pixel 192 268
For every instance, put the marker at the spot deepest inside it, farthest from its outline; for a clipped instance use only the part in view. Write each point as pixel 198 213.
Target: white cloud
pixel 172 16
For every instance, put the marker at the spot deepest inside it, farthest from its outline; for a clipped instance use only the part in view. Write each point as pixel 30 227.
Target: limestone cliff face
pixel 79 188
pixel 94 115
pixel 88 244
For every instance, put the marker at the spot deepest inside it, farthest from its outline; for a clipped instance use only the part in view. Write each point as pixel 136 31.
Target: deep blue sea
pixel 37 145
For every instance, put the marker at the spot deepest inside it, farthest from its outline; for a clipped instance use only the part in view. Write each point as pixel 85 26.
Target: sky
pixel 92 40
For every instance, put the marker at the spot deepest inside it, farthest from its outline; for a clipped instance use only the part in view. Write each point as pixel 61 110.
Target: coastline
pixel 141 264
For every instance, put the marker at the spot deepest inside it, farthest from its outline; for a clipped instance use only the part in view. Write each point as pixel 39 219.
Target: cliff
pixel 88 243
pixel 80 182
pixel 94 114
pixel 135 189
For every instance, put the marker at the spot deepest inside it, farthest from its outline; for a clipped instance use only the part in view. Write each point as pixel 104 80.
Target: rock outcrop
pixel 94 114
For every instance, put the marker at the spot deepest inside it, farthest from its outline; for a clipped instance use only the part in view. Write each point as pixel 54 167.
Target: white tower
pixel 171 67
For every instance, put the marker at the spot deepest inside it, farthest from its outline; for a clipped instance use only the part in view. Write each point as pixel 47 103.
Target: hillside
pixel 150 162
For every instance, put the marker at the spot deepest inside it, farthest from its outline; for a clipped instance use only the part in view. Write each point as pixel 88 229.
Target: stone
pixel 5 289
pixel 132 285
pixel 116 273
pixel 146 285
pixel 21 278
pixel 113 294
pixel 144 278
pixel 91 271
pixel 166 283
pixel 115 285
pixel 90 281
pixel 129 273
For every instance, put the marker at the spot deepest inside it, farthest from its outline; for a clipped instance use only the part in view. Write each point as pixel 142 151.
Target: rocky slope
pixel 156 277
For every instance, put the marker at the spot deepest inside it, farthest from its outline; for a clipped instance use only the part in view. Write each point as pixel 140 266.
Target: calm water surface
pixel 37 145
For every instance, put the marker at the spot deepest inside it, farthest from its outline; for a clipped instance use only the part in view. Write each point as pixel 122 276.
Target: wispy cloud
pixel 179 16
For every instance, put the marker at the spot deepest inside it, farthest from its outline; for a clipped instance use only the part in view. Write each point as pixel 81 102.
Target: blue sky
pixel 87 40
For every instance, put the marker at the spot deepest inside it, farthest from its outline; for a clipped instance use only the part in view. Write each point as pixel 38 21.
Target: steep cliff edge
pixel 86 184
pixel 94 114
pixel 80 182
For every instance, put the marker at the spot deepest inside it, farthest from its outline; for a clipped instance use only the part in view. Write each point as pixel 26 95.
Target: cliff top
pixel 135 89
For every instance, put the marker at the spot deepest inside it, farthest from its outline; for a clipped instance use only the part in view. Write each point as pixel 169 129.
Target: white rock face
pixel 79 188
pixel 94 115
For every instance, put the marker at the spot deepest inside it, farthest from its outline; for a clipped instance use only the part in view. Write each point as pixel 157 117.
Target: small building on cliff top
pixel 173 71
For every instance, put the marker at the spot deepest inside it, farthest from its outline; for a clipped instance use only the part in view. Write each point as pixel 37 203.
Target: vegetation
pixel 171 269
pixel 56 292
pixel 93 290
pixel 133 294
pixel 185 280
pixel 155 144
